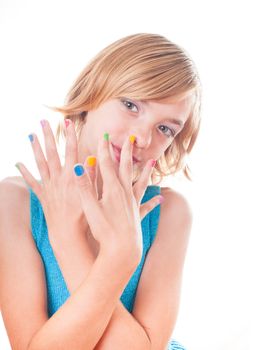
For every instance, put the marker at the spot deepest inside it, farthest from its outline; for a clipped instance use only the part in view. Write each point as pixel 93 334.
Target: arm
pixel 158 294
pixel 82 319
pixel 29 296
pixel 149 318
pixel 125 230
pixel 22 280
pixel 123 331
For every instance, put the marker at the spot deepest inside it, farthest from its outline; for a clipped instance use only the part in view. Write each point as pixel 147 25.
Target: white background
pixel 225 300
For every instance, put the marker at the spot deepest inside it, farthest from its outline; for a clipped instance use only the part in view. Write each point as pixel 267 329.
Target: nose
pixel 143 137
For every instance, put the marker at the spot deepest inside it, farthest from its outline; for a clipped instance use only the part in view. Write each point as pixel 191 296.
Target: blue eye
pixel 172 132
pixel 128 104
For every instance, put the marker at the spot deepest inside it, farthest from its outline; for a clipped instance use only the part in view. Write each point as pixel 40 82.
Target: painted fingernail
pixel 106 136
pixel 79 170
pixel 43 122
pixel 91 161
pixel 132 138
pixel 152 162
pixel 31 138
pixel 67 122
pixel 161 199
pixel 17 166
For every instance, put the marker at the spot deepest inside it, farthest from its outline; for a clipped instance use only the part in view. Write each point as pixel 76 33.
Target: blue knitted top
pixel 57 291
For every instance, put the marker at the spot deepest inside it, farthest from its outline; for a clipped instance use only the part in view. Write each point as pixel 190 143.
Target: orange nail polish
pixel 132 139
pixel 91 161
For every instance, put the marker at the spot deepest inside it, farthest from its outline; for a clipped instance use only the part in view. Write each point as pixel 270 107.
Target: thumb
pixel 148 206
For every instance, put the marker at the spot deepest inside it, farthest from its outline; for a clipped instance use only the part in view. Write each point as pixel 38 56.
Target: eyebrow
pixel 176 121
pixel 172 120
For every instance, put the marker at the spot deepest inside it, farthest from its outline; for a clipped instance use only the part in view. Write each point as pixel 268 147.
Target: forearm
pixel 80 322
pixel 123 330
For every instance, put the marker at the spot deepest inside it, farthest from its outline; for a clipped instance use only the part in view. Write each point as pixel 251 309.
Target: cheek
pixel 115 127
pixel 114 123
pixel 162 149
pixel 117 130
pixel 97 128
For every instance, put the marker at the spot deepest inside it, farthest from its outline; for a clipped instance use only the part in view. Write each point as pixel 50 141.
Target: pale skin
pixel 77 239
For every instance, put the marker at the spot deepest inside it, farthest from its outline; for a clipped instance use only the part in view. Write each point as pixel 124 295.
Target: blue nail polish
pixel 30 137
pixel 79 170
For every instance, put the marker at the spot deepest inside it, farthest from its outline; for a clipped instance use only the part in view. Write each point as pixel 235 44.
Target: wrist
pixel 124 255
pixel 70 249
pixel 63 236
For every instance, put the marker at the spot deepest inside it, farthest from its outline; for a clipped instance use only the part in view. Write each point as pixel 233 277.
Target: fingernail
pixel 31 138
pixel 152 162
pixel 67 122
pixel 106 136
pixel 161 199
pixel 17 166
pixel 79 170
pixel 43 122
pixel 132 139
pixel 91 161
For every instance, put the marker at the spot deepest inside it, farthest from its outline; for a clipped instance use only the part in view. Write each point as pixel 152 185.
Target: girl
pixel 90 258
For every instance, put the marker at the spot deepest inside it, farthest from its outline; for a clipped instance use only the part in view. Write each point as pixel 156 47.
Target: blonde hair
pixel 146 67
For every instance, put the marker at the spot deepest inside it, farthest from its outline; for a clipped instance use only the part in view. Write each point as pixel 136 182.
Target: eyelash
pixel 171 130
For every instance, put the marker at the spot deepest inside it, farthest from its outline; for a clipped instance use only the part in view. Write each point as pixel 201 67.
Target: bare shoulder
pixel 175 203
pixel 175 222
pixel 15 200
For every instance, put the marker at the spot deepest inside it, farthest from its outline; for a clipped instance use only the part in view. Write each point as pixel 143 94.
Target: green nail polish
pixel 17 166
pixel 106 136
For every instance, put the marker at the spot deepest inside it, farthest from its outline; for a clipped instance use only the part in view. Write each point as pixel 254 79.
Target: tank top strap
pixel 57 290
pixel 154 215
pixel 36 215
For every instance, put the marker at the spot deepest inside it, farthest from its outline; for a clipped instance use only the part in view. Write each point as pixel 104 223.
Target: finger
pixel 106 164
pixel 89 203
pixel 39 157
pixel 71 150
pixel 126 164
pixel 52 156
pixel 90 165
pixel 140 186
pixel 30 180
pixel 148 206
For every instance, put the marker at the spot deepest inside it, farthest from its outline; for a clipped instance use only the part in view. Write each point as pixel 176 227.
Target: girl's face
pixel 154 123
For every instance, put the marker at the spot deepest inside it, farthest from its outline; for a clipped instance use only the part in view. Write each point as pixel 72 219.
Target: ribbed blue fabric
pixel 57 291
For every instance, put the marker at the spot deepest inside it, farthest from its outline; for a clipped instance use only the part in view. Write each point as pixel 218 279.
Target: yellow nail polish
pixel 132 139
pixel 91 161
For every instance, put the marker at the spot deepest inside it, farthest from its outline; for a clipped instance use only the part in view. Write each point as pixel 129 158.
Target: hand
pixel 115 219
pixel 57 191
